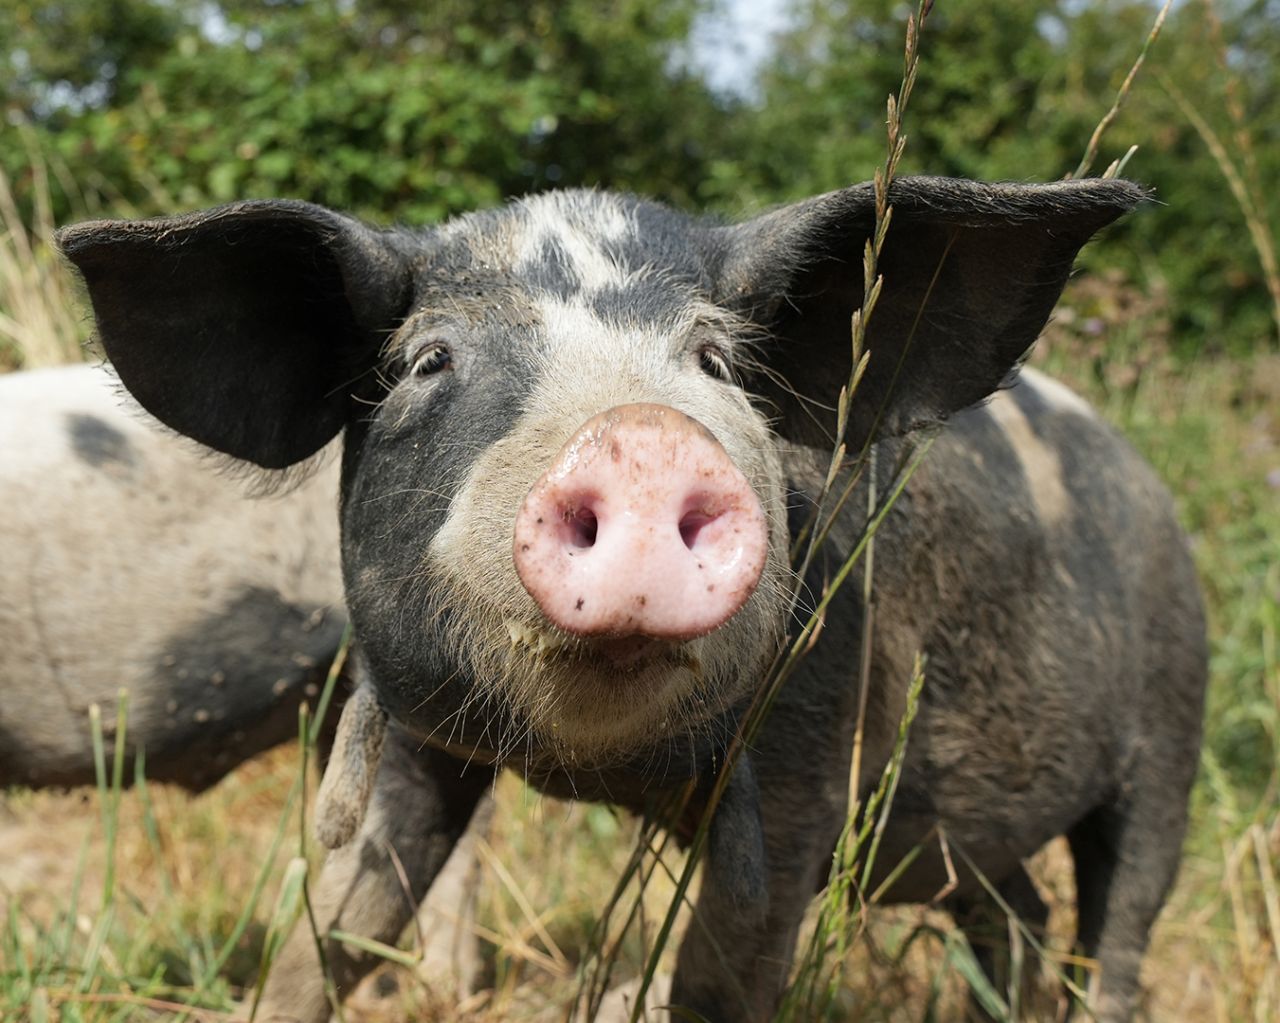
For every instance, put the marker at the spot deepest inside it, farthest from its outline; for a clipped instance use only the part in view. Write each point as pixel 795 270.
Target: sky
pixel 728 46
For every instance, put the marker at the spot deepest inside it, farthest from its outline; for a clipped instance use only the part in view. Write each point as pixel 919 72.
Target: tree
pixel 388 108
pixel 1013 91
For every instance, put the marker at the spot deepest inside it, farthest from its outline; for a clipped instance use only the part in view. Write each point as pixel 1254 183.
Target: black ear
pixel 971 272
pixel 244 326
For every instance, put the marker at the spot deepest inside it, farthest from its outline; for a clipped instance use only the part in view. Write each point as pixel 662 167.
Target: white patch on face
pixel 587 355
pixel 586 366
pixel 554 218
pixel 1057 396
pixel 1040 463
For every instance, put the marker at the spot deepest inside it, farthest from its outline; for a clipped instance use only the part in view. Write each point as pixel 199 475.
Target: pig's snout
pixel 643 526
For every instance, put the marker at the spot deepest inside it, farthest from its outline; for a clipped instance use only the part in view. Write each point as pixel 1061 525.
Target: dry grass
pixel 39 322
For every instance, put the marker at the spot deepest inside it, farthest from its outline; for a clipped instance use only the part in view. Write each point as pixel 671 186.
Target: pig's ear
pixel 244 326
pixel 971 272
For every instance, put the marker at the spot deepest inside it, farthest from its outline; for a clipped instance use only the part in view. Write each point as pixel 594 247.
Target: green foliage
pixel 89 49
pixel 387 108
pixel 1013 91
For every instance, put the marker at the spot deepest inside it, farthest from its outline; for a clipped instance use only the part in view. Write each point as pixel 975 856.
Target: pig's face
pixel 526 324
pixel 516 383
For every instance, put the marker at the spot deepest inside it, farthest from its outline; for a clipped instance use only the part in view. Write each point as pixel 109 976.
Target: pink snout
pixel 643 526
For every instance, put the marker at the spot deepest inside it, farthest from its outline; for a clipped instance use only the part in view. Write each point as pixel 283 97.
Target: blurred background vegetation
pixel 408 111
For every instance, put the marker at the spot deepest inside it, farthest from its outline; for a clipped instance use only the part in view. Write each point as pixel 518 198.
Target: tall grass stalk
pixel 307 741
pixel 109 790
pixel 1095 140
pixel 603 949
pixel 39 325
pixel 841 914
pixel 1246 193
pixel 312 736
pixel 1261 230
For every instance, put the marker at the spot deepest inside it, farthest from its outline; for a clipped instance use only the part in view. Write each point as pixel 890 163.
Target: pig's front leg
pixel 422 802
pixel 762 868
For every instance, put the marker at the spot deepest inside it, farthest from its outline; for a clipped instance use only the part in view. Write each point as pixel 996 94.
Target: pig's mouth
pixel 593 699
pixel 625 653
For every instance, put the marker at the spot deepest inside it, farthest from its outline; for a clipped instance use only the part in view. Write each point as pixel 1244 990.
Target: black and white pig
pixel 129 562
pixel 581 432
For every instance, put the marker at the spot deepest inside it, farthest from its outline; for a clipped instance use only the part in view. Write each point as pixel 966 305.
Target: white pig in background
pixel 129 561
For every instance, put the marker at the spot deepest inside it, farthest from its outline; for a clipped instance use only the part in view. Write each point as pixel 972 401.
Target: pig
pixel 129 563
pixel 581 433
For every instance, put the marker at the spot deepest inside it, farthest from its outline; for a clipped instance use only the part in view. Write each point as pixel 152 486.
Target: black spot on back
pixel 234 682
pixel 218 693
pixel 98 443
pixel 663 239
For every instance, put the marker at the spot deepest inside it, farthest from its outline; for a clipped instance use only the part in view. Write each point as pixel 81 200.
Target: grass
pixel 39 325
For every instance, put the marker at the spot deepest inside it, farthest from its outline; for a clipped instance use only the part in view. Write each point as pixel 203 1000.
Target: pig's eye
pixel 432 359
pixel 713 362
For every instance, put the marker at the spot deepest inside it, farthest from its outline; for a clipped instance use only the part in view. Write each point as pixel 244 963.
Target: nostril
pixel 692 524
pixel 582 526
